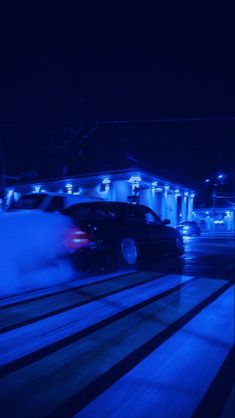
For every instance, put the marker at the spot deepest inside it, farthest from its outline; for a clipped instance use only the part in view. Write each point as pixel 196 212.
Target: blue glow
pixel 135 179
pixel 159 189
pixel 207 181
pixel 220 176
pixel 166 187
pixel 16 195
pixel 186 193
pixel 193 195
pixel 177 190
pixel 69 188
pixel 10 193
pixel 37 189
pixel 106 181
pixel 154 184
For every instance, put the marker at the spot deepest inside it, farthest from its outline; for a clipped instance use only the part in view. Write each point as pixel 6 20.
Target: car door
pixel 134 225
pixel 159 235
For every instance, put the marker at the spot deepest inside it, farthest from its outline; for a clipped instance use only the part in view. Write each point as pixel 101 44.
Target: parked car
pixel 121 233
pixel 47 202
pixel 189 228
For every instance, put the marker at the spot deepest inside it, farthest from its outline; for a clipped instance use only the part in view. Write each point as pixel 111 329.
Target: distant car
pixel 189 228
pixel 121 233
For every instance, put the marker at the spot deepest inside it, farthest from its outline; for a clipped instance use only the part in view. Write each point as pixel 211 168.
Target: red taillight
pixel 77 239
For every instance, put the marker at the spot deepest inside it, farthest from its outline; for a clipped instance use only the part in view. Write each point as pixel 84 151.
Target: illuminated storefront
pixel 216 219
pixel 168 199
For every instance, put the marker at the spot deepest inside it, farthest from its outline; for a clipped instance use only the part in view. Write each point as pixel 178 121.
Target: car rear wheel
pixel 123 255
pixel 129 251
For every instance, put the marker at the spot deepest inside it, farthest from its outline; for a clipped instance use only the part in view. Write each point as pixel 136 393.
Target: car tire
pixel 127 253
pixel 179 246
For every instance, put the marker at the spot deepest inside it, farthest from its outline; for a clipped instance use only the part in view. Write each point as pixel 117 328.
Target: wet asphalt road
pixel 153 343
pixel 208 256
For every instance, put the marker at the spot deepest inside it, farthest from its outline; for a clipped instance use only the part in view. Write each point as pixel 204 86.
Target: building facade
pixel 168 199
pixel 221 219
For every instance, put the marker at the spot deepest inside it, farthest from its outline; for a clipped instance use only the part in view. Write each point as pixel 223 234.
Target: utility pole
pixel 214 198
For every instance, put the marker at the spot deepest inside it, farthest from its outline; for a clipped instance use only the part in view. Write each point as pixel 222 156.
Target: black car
pixel 120 233
pixel 189 228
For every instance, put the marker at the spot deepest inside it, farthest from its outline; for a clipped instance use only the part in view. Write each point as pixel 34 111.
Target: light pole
pixel 215 181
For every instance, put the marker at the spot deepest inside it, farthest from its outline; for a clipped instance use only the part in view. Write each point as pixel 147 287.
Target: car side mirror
pixel 166 221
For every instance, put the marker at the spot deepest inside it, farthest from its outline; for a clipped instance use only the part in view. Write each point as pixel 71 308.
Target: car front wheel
pixel 126 253
pixel 179 246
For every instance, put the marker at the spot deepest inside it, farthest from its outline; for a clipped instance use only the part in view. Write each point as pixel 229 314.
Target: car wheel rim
pixel 129 250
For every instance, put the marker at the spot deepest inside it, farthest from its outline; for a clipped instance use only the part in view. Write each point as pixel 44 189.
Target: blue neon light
pixel 106 181
pixel 135 179
pixel 37 189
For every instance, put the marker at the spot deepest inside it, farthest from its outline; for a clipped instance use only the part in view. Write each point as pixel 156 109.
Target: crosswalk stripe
pixel 25 340
pixel 6 302
pixel 42 308
pixel 174 378
pixel 75 363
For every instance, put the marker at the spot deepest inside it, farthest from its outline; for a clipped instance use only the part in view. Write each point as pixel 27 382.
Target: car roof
pixel 104 204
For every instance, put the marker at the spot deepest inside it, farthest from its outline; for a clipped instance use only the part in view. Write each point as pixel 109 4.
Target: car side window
pixel 103 213
pixel 93 213
pixel 151 218
pixel 134 214
pixel 139 214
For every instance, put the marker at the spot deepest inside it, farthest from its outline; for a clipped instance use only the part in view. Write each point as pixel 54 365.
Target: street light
pixel 215 181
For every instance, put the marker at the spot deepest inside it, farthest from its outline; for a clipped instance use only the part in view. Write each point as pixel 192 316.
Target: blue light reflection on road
pixel 175 377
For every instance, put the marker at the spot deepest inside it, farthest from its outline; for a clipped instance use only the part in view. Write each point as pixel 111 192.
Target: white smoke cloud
pixel 33 251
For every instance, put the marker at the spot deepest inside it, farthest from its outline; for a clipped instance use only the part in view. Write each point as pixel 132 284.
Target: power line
pixel 104 122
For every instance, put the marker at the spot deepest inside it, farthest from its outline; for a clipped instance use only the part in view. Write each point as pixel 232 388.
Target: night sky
pixel 66 76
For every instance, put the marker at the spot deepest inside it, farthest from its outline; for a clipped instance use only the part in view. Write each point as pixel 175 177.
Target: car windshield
pixel 30 201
